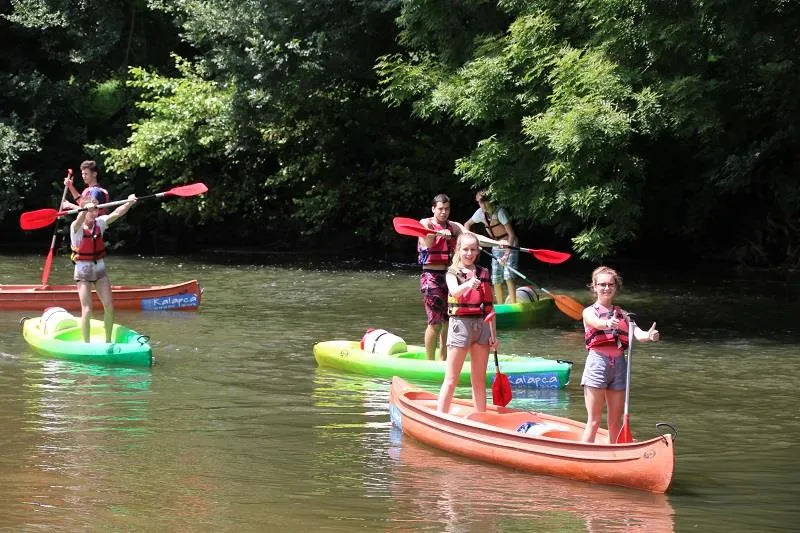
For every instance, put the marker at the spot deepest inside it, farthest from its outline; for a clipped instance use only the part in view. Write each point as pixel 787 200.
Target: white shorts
pixel 90 271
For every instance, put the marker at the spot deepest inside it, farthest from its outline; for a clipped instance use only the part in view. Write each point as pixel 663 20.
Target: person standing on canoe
pixel 434 253
pixel 469 302
pixel 86 237
pixel 498 225
pixel 93 192
pixel 606 333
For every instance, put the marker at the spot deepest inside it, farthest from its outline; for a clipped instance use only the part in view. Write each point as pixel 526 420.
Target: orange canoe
pixel 550 445
pixel 183 296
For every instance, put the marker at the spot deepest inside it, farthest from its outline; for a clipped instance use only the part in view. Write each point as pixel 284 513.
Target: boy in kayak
pixel 86 238
pixel 498 226
pixel 434 253
pixel 93 192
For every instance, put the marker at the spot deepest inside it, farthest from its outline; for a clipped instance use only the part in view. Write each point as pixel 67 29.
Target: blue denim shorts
pixel 604 372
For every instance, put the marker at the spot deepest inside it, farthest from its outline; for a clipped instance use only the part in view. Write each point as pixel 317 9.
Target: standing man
pixel 435 251
pixel 93 192
pixel 498 226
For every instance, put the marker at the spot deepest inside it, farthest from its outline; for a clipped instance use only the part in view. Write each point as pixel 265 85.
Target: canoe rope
pixel 672 429
pixel 143 339
pixel 567 361
pixel 23 319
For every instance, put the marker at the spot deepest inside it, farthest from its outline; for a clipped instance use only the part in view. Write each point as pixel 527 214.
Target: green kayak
pixel 57 333
pixel 523 371
pixel 524 314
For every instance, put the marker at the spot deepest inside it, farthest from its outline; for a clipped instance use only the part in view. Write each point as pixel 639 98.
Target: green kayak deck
pixel 63 340
pixel 522 371
pixel 524 314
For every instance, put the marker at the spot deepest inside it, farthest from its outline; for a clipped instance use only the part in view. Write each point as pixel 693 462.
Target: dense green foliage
pixel 621 126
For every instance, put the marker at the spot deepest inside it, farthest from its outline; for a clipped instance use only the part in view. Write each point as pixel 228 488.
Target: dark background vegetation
pixel 617 129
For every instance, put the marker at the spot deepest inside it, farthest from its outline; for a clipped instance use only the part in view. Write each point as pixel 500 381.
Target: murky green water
pixel 236 429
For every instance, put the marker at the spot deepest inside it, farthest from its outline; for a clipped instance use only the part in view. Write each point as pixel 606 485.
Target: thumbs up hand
pixel 652 334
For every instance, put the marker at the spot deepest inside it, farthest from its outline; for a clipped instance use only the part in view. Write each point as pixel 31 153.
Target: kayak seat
pixel 510 421
pixel 56 319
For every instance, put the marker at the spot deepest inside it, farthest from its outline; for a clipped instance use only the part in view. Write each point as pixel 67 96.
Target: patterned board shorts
pixel 499 272
pixel 433 286
pixel 463 332
pixel 604 372
pixel 89 271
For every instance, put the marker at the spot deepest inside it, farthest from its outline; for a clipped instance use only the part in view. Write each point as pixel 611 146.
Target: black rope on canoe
pixel 672 429
pixel 565 361
pixel 23 319
pixel 143 339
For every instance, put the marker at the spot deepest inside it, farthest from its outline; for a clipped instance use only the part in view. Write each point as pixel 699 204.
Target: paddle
pixel 501 388
pixel 569 306
pixel 625 435
pixel 49 261
pixel 545 256
pixel 44 217
pixel 413 228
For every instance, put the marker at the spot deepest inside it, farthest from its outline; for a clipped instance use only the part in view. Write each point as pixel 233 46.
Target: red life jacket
pixel 440 252
pixel 487 221
pixel 474 302
pixel 92 246
pixel 617 337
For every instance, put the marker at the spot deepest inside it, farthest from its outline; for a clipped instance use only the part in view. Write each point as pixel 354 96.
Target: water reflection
pixel 432 491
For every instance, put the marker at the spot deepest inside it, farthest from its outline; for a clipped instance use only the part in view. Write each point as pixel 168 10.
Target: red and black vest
pixel 474 302
pixel 440 251
pixel 615 337
pixel 92 246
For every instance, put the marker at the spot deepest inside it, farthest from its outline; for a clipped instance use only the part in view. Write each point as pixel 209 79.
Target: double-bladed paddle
pixel 49 261
pixel 501 387
pixel 569 306
pixel 413 228
pixel 41 218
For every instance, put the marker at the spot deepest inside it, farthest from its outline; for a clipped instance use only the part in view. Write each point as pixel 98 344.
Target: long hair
pixel 458 262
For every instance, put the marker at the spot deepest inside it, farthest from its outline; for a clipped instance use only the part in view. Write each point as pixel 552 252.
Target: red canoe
pixel 551 445
pixel 183 296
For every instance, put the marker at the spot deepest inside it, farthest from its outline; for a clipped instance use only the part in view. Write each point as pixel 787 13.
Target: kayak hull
pixel 127 348
pixel 524 314
pixel 524 372
pixel 553 448
pixel 184 296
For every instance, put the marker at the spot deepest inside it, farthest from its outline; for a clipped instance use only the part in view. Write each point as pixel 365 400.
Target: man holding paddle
pixel 435 251
pixel 498 226
pixel 86 238
pixel 93 192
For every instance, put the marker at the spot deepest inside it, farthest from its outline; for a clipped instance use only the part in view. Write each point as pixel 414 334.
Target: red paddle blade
pixel 193 189
pixel 410 227
pixel 40 218
pixel 550 256
pixel 501 390
pixel 47 264
pixel 625 435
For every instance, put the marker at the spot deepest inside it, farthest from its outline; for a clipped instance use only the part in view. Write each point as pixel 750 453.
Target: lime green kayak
pixel 59 335
pixel 522 371
pixel 524 314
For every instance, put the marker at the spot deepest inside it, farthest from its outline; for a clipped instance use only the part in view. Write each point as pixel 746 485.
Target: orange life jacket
pixel 487 221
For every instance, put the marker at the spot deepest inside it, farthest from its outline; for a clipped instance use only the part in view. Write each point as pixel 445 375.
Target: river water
pixel 236 429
